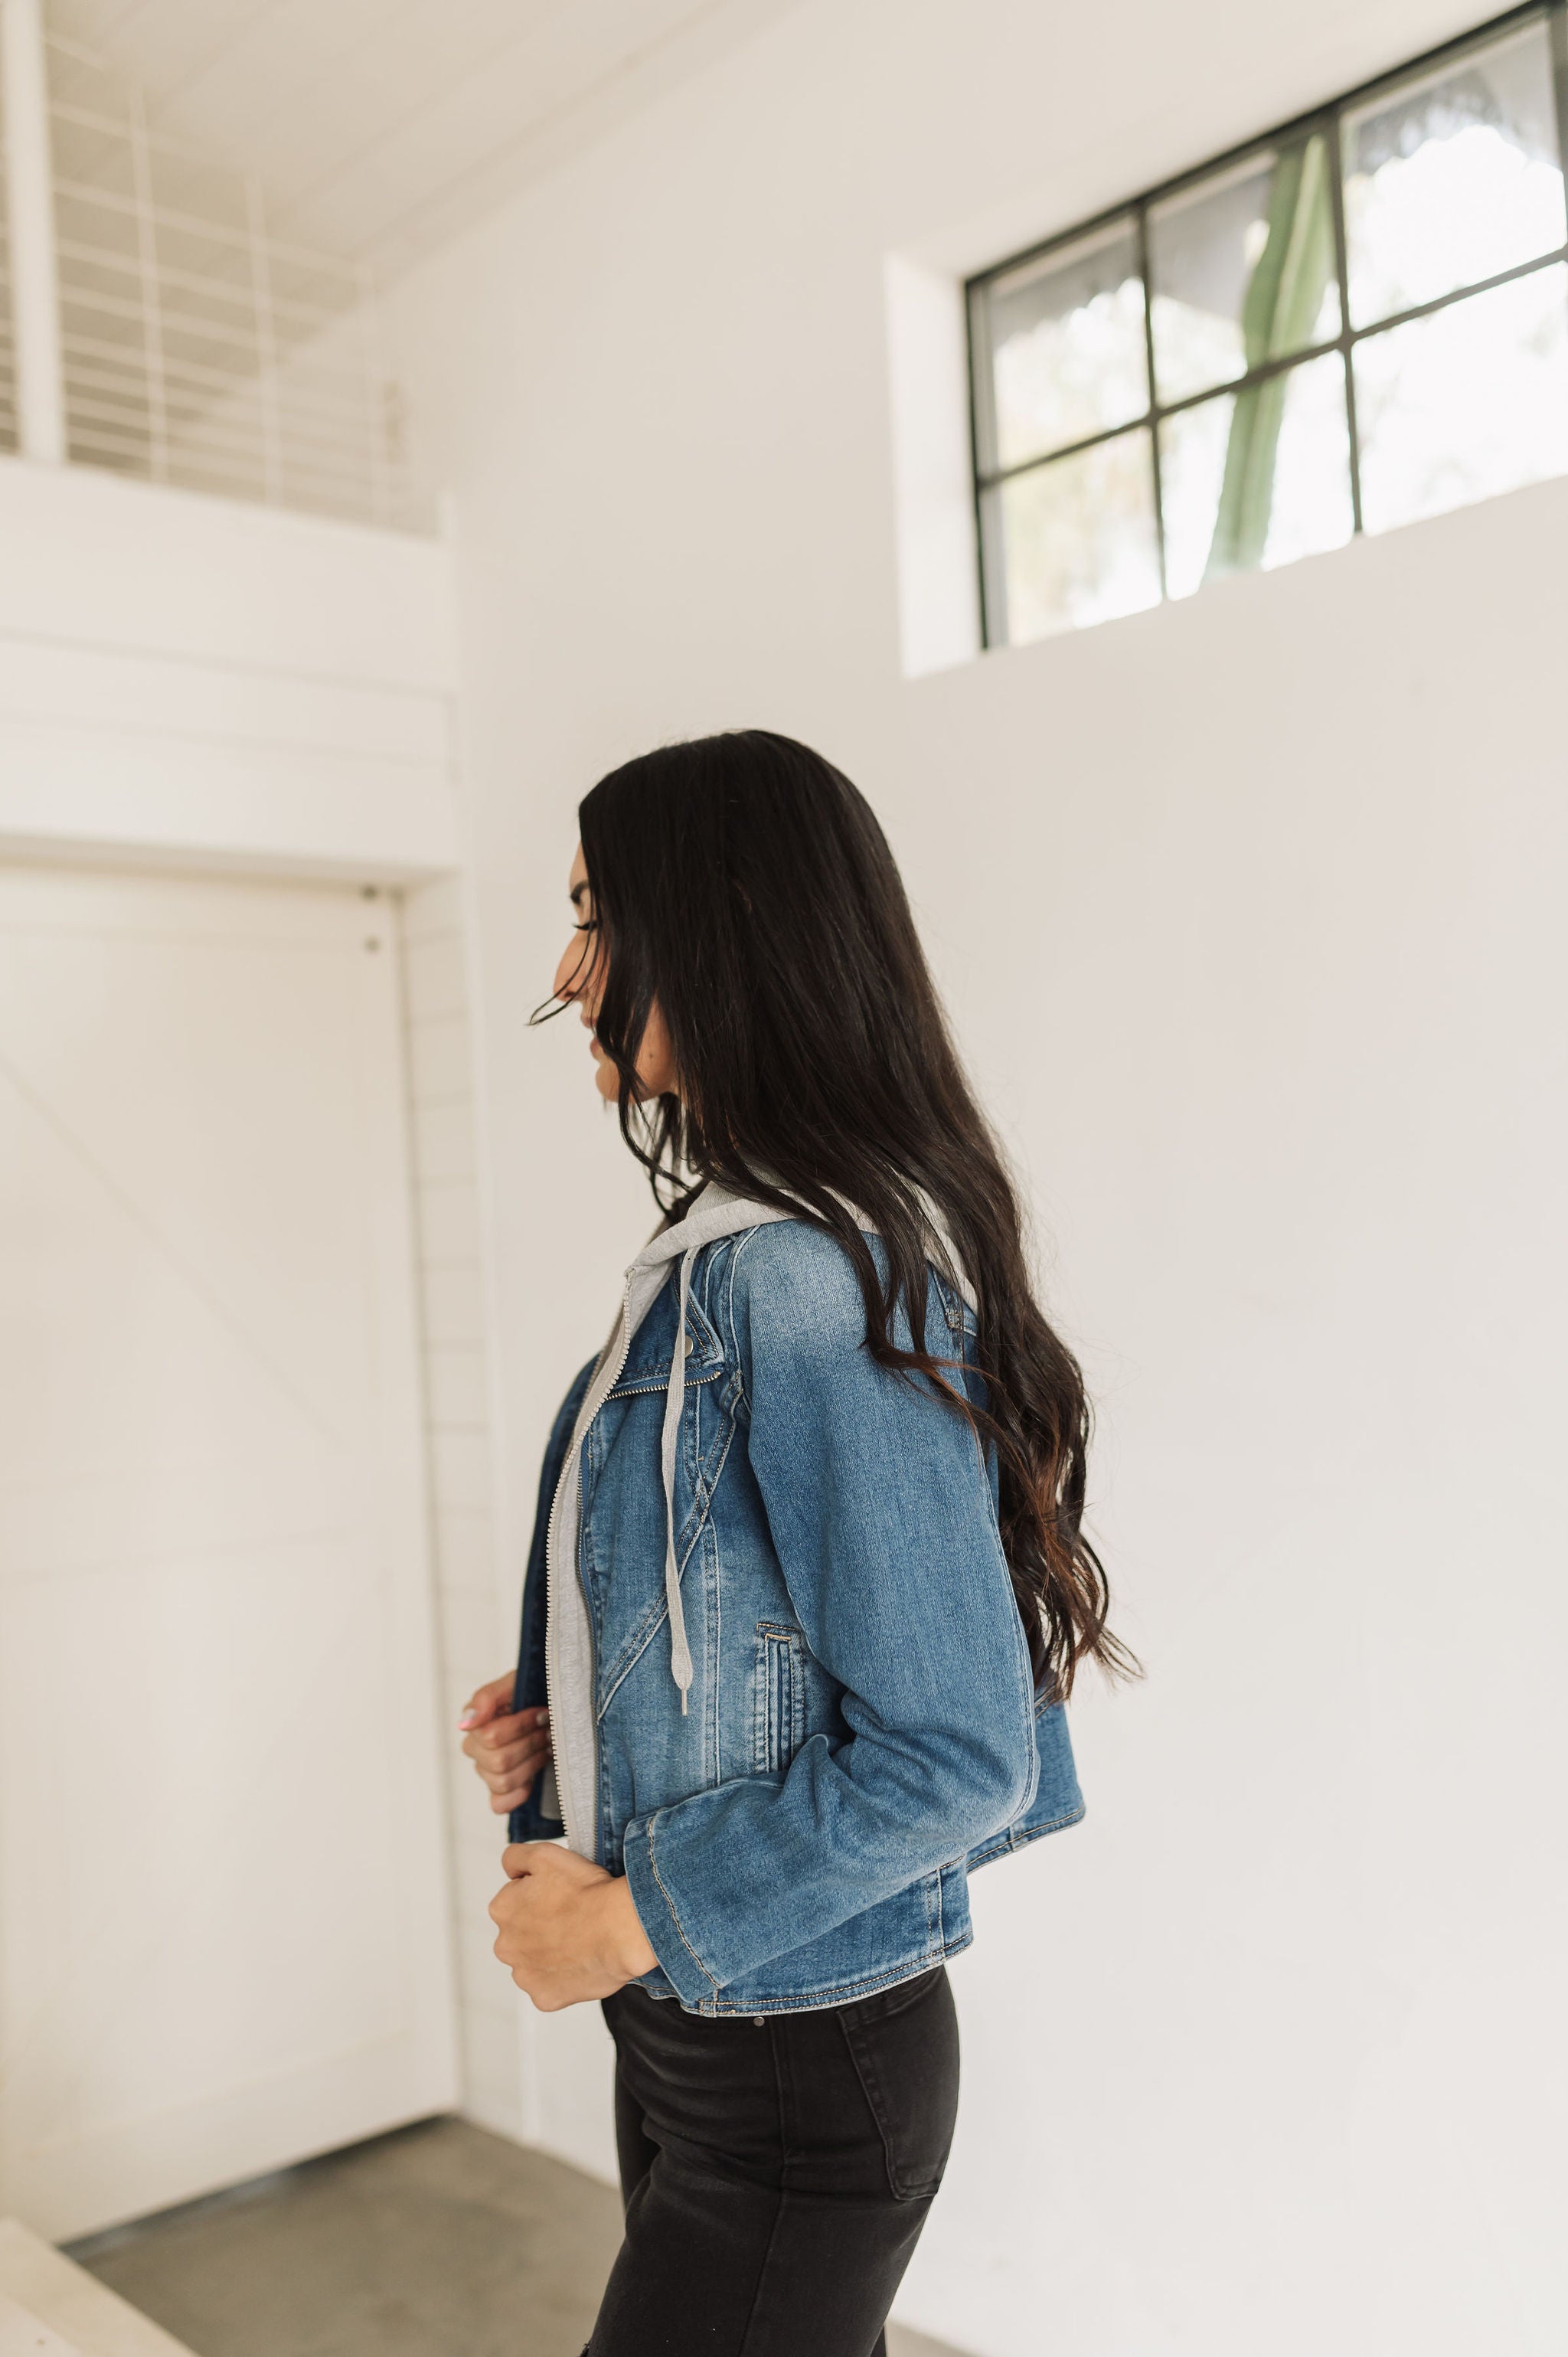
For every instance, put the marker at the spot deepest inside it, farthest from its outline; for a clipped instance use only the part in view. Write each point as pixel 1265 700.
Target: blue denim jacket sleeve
pixel 879 1508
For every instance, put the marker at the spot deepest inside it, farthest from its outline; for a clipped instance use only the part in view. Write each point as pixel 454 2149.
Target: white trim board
pixel 75 2312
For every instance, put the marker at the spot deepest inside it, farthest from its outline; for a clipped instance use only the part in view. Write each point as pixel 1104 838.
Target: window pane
pixel 1065 337
pixel 1467 402
pixel 1257 478
pixel 1242 269
pixel 1072 541
pixel 1452 177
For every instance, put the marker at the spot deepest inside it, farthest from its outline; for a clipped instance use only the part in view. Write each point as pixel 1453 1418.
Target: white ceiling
pixel 378 127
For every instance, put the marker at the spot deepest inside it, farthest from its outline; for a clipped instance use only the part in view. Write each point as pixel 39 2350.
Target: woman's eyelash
pixel 588 925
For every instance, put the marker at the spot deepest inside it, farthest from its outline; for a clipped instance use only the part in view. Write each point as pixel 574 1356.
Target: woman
pixel 808 1586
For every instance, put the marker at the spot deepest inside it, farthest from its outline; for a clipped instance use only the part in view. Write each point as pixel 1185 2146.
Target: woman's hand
pixel 507 1747
pixel 566 1931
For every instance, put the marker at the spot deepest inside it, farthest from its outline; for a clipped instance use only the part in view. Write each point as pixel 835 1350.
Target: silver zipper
pixel 598 1392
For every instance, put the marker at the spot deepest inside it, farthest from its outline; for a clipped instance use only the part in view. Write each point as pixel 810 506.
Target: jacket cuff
pixel 689 1976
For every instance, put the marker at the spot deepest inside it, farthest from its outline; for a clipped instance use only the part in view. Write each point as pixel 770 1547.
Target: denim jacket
pixel 862 1726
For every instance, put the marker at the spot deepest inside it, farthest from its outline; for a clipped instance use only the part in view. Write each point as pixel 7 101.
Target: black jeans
pixel 775 2174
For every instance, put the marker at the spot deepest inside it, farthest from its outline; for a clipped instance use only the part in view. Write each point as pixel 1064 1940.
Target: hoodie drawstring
pixel 674 1404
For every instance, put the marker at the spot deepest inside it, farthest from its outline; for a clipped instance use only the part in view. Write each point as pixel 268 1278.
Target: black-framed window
pixel 1354 321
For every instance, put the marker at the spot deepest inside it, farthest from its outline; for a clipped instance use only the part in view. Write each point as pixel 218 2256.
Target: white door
pixel 223 1934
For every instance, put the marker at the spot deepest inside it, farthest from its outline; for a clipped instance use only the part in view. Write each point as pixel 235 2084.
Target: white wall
pixel 476 1619
pixel 319 432
pixel 190 681
pixel 189 684
pixel 1248 913
pixel 214 1515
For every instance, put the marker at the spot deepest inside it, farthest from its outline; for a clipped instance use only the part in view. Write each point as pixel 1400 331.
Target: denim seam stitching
pixel 929 1957
pixel 674 1918
pixel 821 1999
pixel 741 1243
pixel 637 1644
pixel 705 1486
pixel 779 2199
pixel 729 1314
pixel 715 1642
pixel 901 2186
pixel 759 1703
pixel 765 1719
pixel 1014 1840
pixel 1053 1824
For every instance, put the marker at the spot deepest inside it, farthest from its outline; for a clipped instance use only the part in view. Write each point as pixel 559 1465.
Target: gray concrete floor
pixel 437 2241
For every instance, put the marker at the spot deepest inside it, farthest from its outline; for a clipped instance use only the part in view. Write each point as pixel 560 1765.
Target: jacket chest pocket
pixel 779 1717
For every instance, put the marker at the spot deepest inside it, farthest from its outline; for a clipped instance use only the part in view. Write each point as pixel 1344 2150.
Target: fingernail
pixel 542 1718
pixel 468 1718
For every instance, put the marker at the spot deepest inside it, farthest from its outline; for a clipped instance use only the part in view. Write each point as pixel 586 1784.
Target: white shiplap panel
pixel 445 1145
pixel 478 182
pixel 436 908
pixel 253 83
pixel 187 680
pixel 460 1473
pixel 97 688
pixel 477 1621
pixel 453 1300
pixel 436 980
pixel 379 130
pixel 265 82
pixel 538 70
pixel 455 1384
pixel 464 1549
pixel 441 1059
pixel 95 561
pixel 101 793
pixel 168 37
pixel 449 1220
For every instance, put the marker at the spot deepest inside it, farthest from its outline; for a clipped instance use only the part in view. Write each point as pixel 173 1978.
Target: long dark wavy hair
pixel 743 883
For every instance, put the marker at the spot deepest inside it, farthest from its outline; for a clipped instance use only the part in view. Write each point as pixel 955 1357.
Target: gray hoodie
pixel 569 1644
